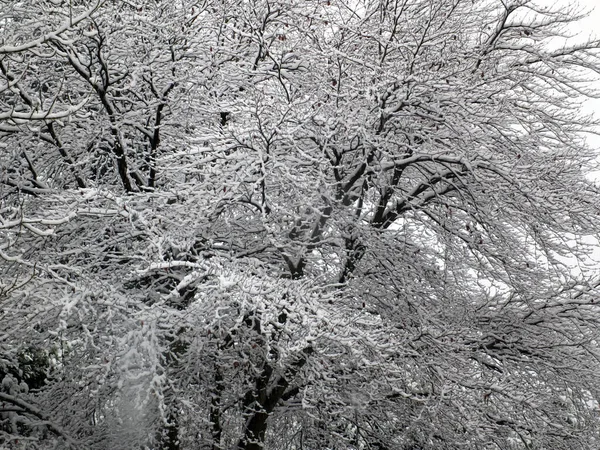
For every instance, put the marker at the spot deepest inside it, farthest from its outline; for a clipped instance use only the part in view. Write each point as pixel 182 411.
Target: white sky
pixel 585 29
pixel 588 27
pixel 592 23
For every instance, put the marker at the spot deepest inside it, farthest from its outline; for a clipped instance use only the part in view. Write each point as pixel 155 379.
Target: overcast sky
pixel 588 27
pixel 592 22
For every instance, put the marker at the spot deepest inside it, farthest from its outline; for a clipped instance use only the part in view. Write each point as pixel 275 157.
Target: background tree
pixel 296 225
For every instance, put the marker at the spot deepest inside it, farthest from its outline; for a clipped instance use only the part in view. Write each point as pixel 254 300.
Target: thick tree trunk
pixel 215 412
pixel 261 402
pixel 254 432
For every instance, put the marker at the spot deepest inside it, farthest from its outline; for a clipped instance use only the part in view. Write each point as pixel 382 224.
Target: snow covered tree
pixel 296 225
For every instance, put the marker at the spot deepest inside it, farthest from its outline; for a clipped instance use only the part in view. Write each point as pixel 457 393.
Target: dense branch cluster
pixel 296 225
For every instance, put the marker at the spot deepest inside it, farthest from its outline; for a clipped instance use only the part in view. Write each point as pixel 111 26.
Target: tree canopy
pixel 297 225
